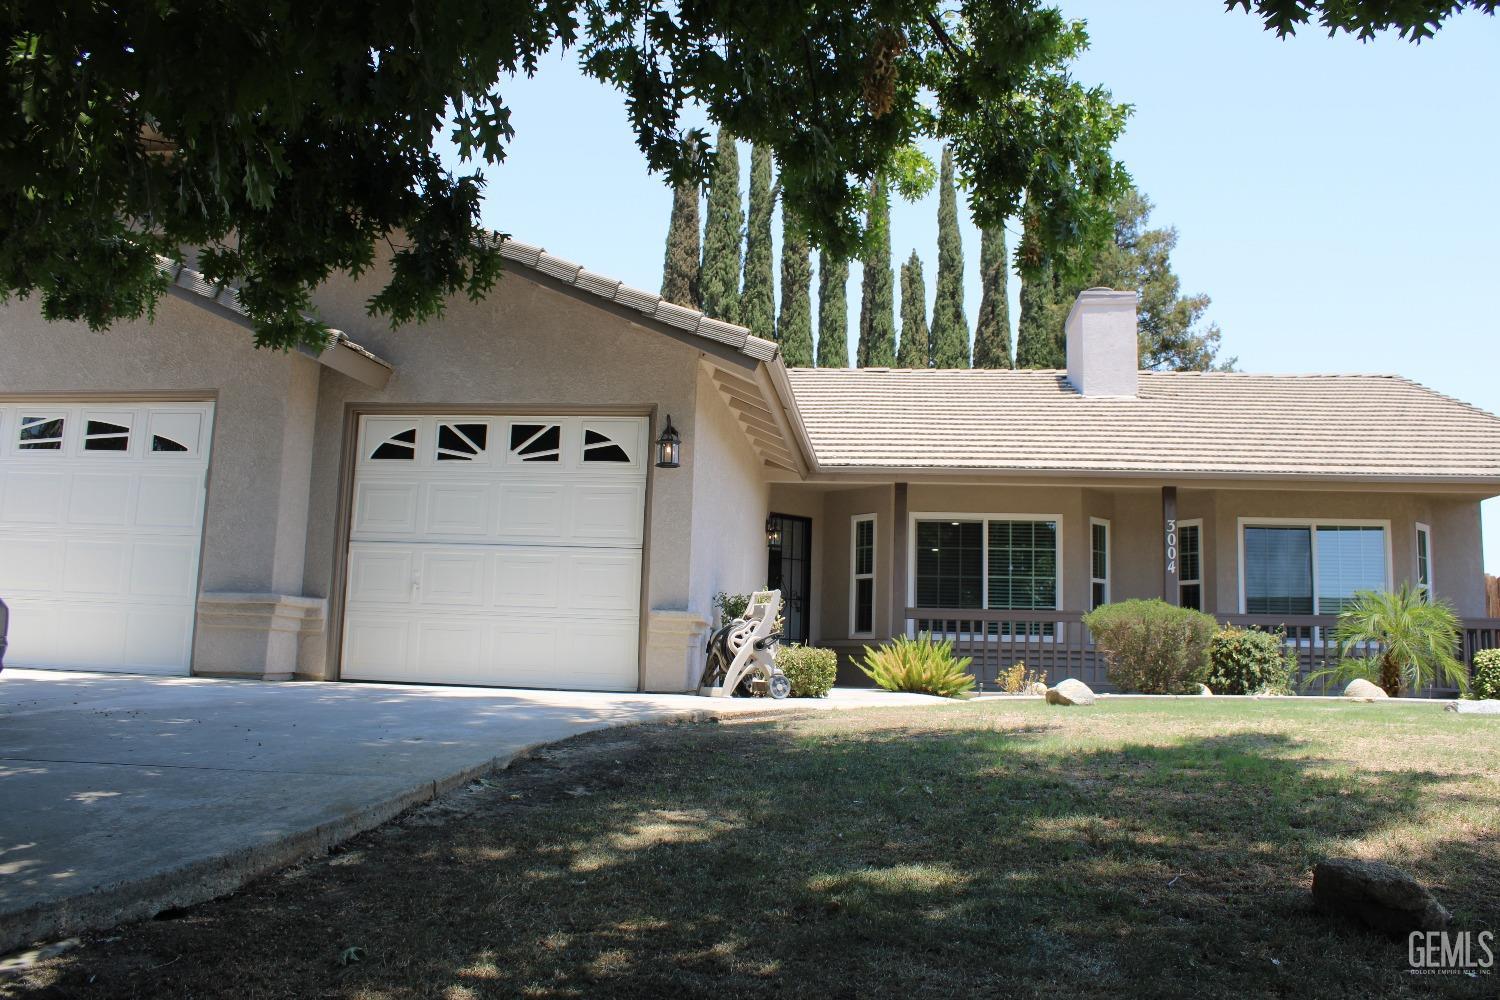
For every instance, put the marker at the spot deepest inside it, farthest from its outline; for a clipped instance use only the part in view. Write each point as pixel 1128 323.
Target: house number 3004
pixel 1171 545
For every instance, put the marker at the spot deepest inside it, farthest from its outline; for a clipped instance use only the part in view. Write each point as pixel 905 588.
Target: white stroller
pixel 742 653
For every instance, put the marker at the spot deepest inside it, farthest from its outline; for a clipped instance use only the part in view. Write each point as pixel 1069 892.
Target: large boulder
pixel 1036 687
pixel 1487 706
pixel 1376 895
pixel 1361 688
pixel 1070 692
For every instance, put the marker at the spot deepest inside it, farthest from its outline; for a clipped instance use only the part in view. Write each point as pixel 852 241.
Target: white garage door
pixel 497 550
pixel 101 513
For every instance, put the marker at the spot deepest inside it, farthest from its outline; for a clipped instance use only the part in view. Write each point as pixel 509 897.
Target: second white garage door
pixel 497 550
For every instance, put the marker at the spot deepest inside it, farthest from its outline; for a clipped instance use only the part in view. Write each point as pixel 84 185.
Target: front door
pixel 789 570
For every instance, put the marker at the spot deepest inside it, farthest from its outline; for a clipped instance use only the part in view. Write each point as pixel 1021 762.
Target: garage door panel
pixel 100 532
pixel 491 553
pixel 34 497
pixel 102 499
pixel 170 502
pixel 95 567
pixel 386 508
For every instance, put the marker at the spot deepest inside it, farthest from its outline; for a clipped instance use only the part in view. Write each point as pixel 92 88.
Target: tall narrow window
pixel 1099 561
pixel 1190 564
pixel 1424 560
pixel 862 575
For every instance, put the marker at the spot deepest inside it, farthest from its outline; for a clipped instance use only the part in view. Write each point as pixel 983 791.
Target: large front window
pixel 1311 569
pixel 995 563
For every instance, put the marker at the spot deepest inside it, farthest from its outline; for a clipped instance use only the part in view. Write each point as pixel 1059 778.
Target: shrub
pixel 1249 661
pixel 811 670
pixel 1153 647
pixel 922 665
pixel 1018 678
pixel 1411 641
pixel 731 606
pixel 1486 682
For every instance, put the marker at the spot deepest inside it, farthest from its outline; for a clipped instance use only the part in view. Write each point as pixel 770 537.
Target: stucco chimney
pixel 1103 355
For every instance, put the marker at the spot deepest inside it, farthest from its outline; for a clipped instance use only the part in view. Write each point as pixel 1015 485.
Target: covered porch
pixel 1009 568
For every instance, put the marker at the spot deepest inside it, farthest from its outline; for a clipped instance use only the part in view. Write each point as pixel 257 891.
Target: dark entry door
pixel 789 570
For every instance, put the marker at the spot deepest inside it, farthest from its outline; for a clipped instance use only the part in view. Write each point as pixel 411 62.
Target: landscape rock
pixel 1036 687
pixel 1070 692
pixel 1486 706
pixel 1361 688
pixel 1204 692
pixel 1378 895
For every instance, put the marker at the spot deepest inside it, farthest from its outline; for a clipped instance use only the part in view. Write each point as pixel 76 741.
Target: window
pixel 1190 564
pixel 862 575
pixel 461 442
pixel 399 447
pixel 598 447
pixel 950 564
pixel 1311 569
pixel 43 433
pixel 1099 561
pixel 536 442
pixel 107 435
pixel 996 564
pixel 175 432
pixel 1424 560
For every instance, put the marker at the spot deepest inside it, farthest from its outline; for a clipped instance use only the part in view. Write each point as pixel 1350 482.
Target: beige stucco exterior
pixel 275 525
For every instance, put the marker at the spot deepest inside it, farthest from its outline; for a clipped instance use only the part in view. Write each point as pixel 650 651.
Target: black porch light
pixel 773 533
pixel 669 447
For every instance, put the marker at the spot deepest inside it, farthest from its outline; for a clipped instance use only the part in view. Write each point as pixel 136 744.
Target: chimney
pixel 1103 354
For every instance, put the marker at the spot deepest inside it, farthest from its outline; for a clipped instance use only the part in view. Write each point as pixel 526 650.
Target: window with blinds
pixel 1311 569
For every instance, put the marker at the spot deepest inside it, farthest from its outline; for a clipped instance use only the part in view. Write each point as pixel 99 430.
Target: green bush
pixel 1153 647
pixel 731 606
pixel 921 665
pixel 1486 683
pixel 811 670
pixel 1249 661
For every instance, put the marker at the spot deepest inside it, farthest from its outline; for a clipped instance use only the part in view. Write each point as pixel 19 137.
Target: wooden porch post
pixel 1171 591
pixel 898 560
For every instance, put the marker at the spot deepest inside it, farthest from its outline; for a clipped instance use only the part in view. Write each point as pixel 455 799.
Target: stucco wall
pixel 255 517
pixel 729 504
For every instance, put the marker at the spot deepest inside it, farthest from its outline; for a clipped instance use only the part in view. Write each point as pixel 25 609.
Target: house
pixel 478 499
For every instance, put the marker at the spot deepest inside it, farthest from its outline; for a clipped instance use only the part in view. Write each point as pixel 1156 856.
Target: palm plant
pixel 1414 641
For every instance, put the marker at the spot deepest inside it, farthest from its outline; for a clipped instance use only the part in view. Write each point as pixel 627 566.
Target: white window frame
pixel 984 592
pixel 855 521
pixel 1423 533
pixel 1191 522
pixel 1312 525
pixel 1109 560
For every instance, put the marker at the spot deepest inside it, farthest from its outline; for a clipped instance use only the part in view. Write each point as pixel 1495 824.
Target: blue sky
pixel 1334 198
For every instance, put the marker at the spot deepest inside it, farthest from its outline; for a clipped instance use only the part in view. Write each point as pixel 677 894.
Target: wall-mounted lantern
pixel 669 447
pixel 773 533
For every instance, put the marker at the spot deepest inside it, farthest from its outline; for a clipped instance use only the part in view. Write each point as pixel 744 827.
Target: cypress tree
pixel 679 271
pixel 950 327
pixel 794 325
pixel 877 300
pixel 916 346
pixel 992 331
pixel 719 277
pixel 1038 343
pixel 833 312
pixel 758 299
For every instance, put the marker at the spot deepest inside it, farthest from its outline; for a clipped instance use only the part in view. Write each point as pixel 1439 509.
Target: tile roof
pixel 1227 424
pixel 647 303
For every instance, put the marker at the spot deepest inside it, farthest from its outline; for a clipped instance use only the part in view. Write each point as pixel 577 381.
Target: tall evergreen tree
pixel 679 271
pixel 950 327
pixel 992 331
pixel 1039 341
pixel 877 299
pixel 758 297
pixel 794 325
pixel 833 312
pixel 719 278
pixel 916 344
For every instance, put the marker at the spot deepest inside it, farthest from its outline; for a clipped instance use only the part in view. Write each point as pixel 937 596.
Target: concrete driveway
pixel 122 795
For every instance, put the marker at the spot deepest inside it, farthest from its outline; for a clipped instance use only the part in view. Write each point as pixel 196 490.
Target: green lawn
pixel 983 849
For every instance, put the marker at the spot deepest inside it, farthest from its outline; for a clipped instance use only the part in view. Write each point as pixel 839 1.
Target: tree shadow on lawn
pixel 807 860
